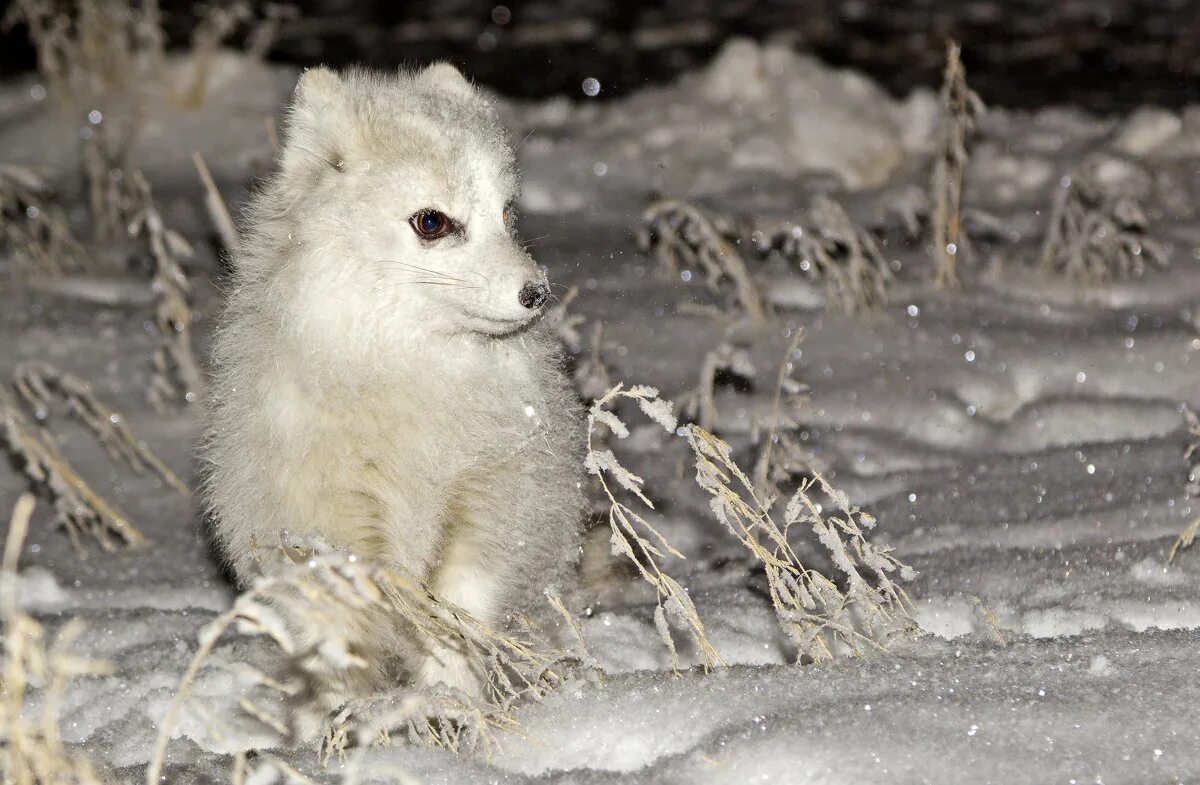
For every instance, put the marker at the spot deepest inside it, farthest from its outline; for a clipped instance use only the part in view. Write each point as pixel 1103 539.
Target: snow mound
pixel 757 109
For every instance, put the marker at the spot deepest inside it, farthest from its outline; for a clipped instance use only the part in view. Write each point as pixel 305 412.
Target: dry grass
pixel 33 751
pixel 1096 236
pixel 105 53
pixel 683 235
pixel 177 374
pixel 781 456
pixel 1191 453
pixel 815 612
pixel 79 509
pixel 988 618
pixel 1185 540
pixel 33 228
pixel 566 325
pixel 833 249
pixel 632 534
pixel 124 207
pixel 960 107
pixel 40 384
pixel 265 29
pixel 92 51
pixel 905 206
pixel 110 200
pixel 216 23
pixel 324 584
pixel 818 614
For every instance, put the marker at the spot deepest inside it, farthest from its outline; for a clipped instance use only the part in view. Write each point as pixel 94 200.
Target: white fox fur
pixel 387 393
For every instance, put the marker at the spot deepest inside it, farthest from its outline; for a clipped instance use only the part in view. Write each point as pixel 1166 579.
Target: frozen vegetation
pixel 754 241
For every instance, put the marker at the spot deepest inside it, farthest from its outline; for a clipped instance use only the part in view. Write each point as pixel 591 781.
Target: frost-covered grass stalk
pixel 1096 236
pixel 812 608
pixel 685 235
pixel 294 609
pixel 832 248
pixel 32 749
pixel 632 534
pixel 960 109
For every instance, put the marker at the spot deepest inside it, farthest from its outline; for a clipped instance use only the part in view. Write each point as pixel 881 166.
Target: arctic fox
pixel 381 377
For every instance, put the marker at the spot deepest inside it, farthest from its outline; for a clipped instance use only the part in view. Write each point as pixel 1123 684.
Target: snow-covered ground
pixel 1020 441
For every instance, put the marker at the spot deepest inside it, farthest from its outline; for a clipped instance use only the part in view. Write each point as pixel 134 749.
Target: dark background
pixel 1102 55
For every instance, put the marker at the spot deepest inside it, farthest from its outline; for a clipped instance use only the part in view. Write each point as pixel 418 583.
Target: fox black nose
pixel 532 295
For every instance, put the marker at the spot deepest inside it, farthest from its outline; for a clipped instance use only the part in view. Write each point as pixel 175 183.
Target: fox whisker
pixel 448 284
pixel 418 268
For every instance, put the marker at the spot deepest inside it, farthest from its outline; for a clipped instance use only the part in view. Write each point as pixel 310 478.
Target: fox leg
pixel 467 578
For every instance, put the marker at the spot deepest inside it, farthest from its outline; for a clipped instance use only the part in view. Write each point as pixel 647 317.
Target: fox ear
pixel 316 124
pixel 448 78
pixel 319 86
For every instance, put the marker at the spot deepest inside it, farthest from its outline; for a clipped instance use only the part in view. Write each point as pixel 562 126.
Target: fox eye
pixel 431 224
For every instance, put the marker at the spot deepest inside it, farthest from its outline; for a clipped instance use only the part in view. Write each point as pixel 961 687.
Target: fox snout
pixel 533 295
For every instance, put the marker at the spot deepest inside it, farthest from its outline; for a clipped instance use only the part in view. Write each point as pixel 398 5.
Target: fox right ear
pixel 448 78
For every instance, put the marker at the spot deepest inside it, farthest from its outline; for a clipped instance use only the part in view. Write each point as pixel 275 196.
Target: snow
pixel 1020 443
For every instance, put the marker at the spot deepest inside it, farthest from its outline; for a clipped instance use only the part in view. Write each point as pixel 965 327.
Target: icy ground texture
pixel 1019 441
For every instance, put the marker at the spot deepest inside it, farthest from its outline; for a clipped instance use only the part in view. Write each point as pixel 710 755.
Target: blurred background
pixel 1102 55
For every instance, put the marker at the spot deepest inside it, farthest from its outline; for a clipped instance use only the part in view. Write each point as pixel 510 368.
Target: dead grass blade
pixel 961 107
pixel 79 509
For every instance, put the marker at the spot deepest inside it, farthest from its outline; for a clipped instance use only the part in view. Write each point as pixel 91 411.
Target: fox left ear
pixel 318 101
pixel 448 78
pixel 318 85
pixel 317 125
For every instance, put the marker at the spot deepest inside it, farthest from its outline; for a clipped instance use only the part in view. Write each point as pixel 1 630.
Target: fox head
pixel 395 197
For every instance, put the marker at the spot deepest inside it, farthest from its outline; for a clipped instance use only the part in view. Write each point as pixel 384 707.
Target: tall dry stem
pixel 633 535
pixel 960 108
